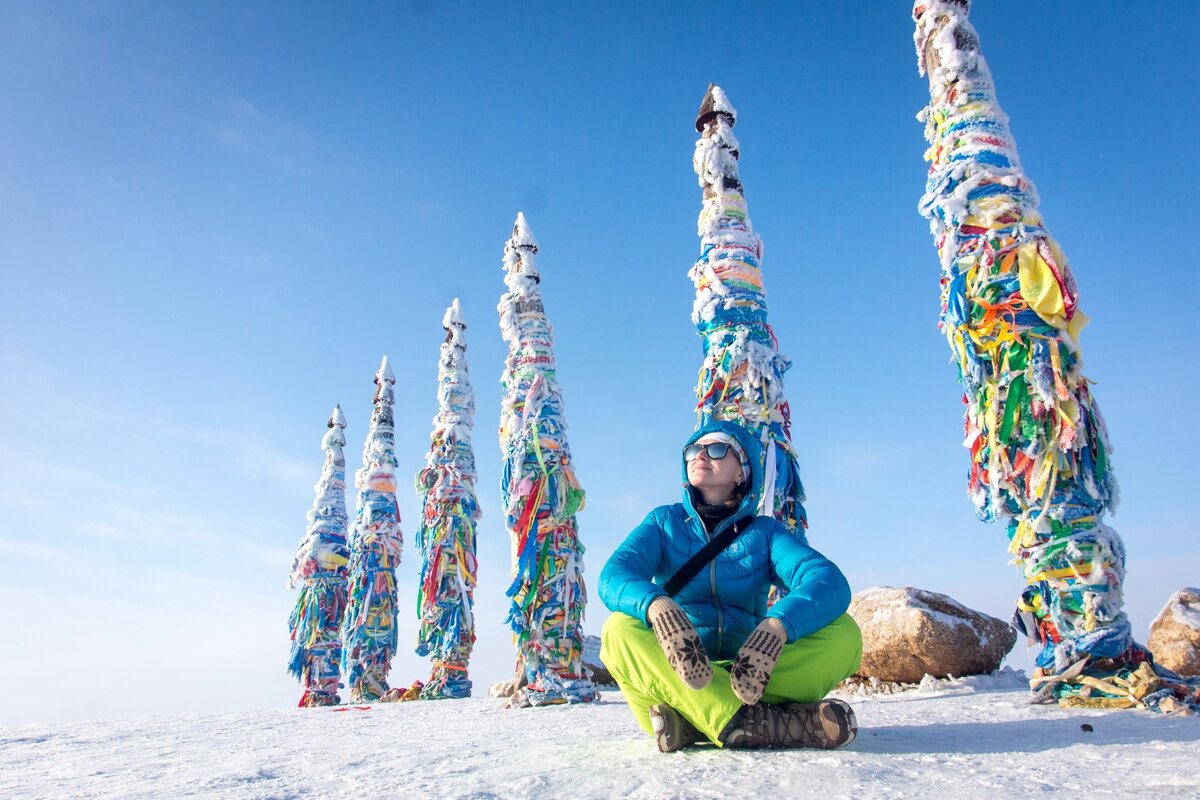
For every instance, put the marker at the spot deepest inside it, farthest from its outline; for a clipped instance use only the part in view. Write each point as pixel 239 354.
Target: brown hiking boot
pixel 828 724
pixel 672 731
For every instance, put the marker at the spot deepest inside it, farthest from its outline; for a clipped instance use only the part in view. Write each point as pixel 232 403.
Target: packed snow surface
pixel 968 738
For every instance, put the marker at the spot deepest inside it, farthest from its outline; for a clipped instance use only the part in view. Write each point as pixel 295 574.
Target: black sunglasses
pixel 714 450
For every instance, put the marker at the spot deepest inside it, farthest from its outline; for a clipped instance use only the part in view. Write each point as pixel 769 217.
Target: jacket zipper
pixel 712 582
pixel 712 585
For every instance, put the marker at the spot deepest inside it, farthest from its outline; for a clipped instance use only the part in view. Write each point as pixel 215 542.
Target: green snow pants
pixel 807 669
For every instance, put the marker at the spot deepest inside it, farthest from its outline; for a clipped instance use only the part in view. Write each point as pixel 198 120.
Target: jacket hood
pixel 753 453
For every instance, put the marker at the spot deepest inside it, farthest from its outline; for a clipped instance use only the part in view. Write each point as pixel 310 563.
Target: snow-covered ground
pixel 962 739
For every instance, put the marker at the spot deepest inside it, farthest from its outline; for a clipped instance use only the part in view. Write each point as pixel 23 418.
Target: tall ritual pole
pixel 1040 457
pixel 449 512
pixel 741 379
pixel 541 495
pixel 319 568
pixel 376 542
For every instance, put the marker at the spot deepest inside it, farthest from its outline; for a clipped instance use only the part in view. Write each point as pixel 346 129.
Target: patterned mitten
pixel 680 642
pixel 752 668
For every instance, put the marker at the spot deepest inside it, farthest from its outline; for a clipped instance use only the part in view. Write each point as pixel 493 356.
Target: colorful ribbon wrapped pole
pixel 319 569
pixel 1040 456
pixel 449 513
pixel 741 378
pixel 369 629
pixel 541 496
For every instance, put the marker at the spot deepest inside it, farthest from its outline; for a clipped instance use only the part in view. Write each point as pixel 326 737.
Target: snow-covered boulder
pixel 1175 633
pixel 910 633
pixel 502 689
pixel 592 663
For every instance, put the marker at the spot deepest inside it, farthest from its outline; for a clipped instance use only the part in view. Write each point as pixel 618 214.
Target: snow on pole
pixel 741 379
pixel 1040 456
pixel 541 496
pixel 449 512
pixel 376 541
pixel 319 568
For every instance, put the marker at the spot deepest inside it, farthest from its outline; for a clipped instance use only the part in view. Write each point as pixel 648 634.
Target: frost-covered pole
pixel 376 541
pixel 1040 457
pixel 741 379
pixel 449 511
pixel 541 495
pixel 319 568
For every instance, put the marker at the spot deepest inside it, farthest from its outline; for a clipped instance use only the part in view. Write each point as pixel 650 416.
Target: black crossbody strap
pixel 705 555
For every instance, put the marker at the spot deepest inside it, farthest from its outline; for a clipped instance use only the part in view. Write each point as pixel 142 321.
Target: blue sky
pixel 215 218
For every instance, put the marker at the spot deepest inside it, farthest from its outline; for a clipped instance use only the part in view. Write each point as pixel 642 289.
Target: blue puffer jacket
pixel 728 598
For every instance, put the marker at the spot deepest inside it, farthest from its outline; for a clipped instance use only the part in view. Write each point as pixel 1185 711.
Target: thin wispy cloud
pixel 62 498
pixel 21 368
pixel 26 469
pixel 241 125
pixel 133 532
pixel 205 532
pixel 245 451
pixel 26 551
pixel 47 397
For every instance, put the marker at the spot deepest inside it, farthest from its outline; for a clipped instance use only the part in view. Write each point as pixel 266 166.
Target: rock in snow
pixel 1175 633
pixel 910 633
pixel 591 662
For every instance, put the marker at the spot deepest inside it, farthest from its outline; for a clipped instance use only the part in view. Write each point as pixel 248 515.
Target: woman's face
pixel 716 478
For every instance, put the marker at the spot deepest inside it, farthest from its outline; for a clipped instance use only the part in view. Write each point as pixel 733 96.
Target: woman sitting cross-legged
pixel 713 663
